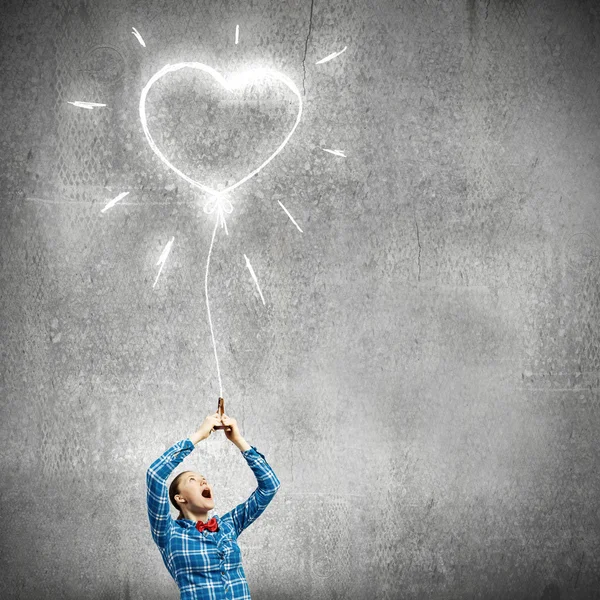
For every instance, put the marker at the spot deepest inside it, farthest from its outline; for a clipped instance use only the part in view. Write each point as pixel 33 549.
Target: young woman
pixel 202 554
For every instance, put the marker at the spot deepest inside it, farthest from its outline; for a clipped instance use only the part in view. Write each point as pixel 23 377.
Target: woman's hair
pixel 173 491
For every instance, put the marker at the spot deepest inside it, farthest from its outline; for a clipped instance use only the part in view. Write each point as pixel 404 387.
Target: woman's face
pixel 195 489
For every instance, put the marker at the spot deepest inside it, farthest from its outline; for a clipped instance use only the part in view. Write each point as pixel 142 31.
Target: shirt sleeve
pixel 157 496
pixel 244 514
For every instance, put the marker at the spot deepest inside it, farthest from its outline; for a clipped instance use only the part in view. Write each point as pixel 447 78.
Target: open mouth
pixel 206 493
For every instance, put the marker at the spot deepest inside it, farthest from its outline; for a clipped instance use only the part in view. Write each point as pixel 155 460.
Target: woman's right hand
pixel 209 423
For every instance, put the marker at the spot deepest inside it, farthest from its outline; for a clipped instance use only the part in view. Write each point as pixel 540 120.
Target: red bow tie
pixel 211 525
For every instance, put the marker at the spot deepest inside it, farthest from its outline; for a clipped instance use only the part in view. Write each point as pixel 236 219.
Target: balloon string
pixel 217 220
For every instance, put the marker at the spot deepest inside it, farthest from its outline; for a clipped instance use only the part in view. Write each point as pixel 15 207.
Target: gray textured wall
pixel 424 374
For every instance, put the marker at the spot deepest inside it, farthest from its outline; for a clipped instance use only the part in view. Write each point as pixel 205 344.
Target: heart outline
pixel 240 80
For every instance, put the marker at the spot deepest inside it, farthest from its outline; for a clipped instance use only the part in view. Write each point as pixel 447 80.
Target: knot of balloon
pixel 221 204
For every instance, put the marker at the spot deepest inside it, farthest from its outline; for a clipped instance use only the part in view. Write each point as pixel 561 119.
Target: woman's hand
pixel 209 423
pixel 232 431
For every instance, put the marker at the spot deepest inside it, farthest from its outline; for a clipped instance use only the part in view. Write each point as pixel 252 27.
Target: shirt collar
pixel 187 523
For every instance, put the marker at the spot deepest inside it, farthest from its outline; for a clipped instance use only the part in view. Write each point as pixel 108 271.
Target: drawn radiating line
pixel 254 277
pixel 114 201
pixel 88 105
pixel 290 216
pixel 330 56
pixel 336 152
pixel 163 258
pixel 237 34
pixel 138 36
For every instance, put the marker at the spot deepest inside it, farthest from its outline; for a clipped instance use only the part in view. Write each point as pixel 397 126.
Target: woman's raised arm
pixel 157 496
pixel 244 514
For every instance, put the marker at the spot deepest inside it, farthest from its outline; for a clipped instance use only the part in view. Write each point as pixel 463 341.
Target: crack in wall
pixel 312 3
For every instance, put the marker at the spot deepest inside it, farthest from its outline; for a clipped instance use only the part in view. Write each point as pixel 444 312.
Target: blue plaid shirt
pixel 208 564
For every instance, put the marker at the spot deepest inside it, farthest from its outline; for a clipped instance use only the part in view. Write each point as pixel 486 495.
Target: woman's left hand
pixel 232 431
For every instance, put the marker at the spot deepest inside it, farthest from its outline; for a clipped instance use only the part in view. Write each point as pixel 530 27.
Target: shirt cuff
pixel 252 450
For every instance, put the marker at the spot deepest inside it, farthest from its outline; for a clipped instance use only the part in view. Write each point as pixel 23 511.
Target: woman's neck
pixel 199 516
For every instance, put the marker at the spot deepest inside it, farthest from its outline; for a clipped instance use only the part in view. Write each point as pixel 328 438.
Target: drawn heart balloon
pixel 238 81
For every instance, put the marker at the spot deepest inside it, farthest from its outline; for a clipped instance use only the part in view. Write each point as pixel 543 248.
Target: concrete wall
pixel 423 375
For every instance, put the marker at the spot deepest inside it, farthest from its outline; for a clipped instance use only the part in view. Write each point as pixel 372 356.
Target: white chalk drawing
pixel 336 152
pixel 237 34
pixel 254 277
pixel 237 82
pixel 88 105
pixel 217 202
pixel 330 56
pixel 221 205
pixel 138 36
pixel 114 201
pixel 290 216
pixel 163 258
